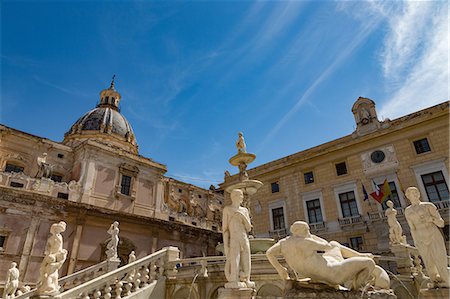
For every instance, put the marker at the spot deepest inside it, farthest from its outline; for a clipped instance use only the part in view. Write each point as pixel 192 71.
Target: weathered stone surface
pixel 242 293
pixel 322 291
pixel 441 293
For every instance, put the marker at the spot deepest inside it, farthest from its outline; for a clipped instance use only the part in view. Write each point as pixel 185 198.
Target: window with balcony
pixel 341 168
pixel 314 211
pixel 422 146
pixel 125 185
pixel 13 168
pixel 356 243
pixel 309 177
pixel 435 186
pixel 278 218
pixel 275 187
pixel 348 203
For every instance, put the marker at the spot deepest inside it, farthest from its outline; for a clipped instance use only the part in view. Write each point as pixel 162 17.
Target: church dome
pixel 104 123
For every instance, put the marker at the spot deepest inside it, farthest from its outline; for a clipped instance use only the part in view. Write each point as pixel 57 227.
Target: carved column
pixel 28 246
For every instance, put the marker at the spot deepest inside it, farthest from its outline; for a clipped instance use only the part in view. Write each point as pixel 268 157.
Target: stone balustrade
pixel 77 278
pixel 351 220
pixel 380 215
pixel 128 279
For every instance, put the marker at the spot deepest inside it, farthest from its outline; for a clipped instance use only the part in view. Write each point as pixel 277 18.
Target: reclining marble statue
pixel 424 221
pixel 54 257
pixel 331 263
pixel 236 225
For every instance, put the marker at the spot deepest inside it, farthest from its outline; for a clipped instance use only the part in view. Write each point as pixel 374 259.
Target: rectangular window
pixel 422 146
pixel 314 211
pixel 341 168
pixel 56 178
pixel 13 168
pixel 63 195
pixel 278 218
pixel 2 242
pixel 16 185
pixel 275 187
pixel 348 204
pixel 435 186
pixel 356 243
pixel 125 185
pixel 393 197
pixel 309 177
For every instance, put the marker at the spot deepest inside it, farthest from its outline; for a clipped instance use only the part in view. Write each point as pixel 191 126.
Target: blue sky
pixel 194 74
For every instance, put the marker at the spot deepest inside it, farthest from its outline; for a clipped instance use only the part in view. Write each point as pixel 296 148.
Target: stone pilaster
pixel 28 246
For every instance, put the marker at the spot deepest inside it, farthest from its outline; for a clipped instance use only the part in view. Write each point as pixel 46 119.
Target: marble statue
pixel 240 144
pixel 235 226
pixel 54 257
pixel 131 257
pixel 111 247
pixel 45 169
pixel 11 282
pixel 395 229
pixel 424 221
pixel 321 261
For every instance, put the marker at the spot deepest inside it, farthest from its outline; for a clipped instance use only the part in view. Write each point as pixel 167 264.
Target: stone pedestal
pixel 296 289
pixel 441 293
pixel 404 264
pixel 242 293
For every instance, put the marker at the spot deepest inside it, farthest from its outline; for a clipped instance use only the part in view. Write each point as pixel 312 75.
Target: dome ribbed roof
pixel 104 122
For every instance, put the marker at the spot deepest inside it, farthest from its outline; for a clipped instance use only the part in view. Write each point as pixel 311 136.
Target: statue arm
pixel 271 254
pixel 435 216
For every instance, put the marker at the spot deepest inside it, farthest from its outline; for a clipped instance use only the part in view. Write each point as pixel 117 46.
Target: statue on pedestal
pixel 395 229
pixel 424 221
pixel 235 226
pixel 11 282
pixel 45 169
pixel 111 247
pixel 240 143
pixel 55 256
pixel 331 263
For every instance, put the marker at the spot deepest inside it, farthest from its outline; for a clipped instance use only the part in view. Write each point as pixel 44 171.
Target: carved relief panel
pixel 379 160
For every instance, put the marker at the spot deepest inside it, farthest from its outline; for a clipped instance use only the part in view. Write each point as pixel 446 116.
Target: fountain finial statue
pixel 424 221
pixel 240 143
pixel 235 226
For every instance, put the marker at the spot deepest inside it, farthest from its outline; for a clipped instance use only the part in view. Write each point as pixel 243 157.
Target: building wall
pixel 402 166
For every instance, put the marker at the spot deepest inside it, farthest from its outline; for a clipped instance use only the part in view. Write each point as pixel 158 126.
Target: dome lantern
pixel 110 97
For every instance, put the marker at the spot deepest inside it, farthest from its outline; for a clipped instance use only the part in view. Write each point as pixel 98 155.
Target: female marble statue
pixel 235 226
pixel 111 247
pixel 55 256
pixel 321 261
pixel 395 229
pixel 240 144
pixel 12 282
pixel 424 221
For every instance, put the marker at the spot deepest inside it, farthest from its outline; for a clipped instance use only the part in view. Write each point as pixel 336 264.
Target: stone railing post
pixel 113 264
pixel 172 254
pixel 405 263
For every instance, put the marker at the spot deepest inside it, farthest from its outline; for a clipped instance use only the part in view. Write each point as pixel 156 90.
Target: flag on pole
pixel 366 196
pixel 380 195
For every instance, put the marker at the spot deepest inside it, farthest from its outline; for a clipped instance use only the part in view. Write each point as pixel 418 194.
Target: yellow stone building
pixel 323 185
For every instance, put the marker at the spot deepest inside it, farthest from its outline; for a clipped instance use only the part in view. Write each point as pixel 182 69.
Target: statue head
pixel 13 264
pixel 116 224
pixel 237 196
pixel 300 229
pixel 390 204
pixel 58 228
pixel 413 194
pixel 240 134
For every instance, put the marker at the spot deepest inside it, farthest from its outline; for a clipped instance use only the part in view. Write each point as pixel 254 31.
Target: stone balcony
pixel 351 221
pixel 278 233
pixel 63 190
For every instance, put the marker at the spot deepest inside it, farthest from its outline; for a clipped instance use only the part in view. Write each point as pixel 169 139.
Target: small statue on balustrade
pixel 11 282
pixel 395 229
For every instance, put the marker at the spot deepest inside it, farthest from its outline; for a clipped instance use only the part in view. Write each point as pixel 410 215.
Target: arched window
pixel 13 167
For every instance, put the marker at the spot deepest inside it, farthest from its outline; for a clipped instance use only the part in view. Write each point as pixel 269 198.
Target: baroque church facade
pixel 326 185
pixel 94 177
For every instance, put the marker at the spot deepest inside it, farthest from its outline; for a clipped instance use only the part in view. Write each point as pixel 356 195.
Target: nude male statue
pixel 424 221
pixel 235 226
pixel 311 257
pixel 12 282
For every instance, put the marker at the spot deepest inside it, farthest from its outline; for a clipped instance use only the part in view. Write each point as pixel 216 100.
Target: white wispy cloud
pixel 343 54
pixel 415 55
